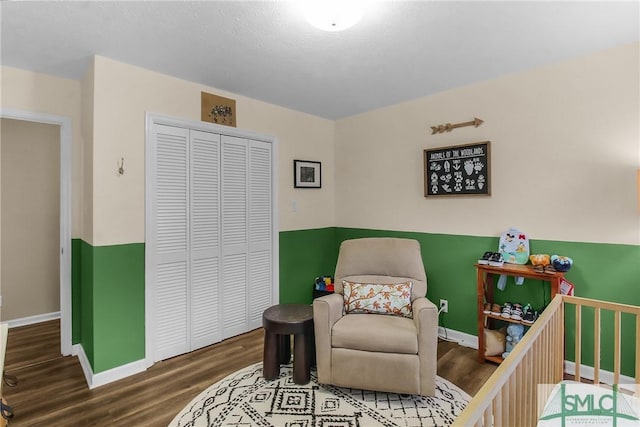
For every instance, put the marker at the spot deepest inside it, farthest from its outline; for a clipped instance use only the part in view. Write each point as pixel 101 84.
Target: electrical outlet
pixel 444 305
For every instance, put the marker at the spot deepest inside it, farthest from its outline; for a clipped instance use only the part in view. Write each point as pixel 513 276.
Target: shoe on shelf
pixel 496 310
pixel 485 258
pixel 506 310
pixel 487 308
pixel 516 311
pixel 496 260
pixel 528 315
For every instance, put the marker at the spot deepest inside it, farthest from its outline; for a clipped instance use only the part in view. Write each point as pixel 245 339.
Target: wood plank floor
pixel 52 391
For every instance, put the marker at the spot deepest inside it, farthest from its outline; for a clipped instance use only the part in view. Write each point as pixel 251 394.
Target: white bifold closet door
pixel 212 223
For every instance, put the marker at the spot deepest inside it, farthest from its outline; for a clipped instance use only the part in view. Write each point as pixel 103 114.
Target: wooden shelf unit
pixel 485 283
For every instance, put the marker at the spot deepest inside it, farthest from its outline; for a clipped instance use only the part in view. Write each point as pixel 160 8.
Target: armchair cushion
pixel 372 332
pixel 376 298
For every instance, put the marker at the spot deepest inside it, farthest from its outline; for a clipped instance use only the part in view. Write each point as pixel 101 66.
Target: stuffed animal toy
pixel 514 335
pixel 324 283
pixel 540 259
pixel 561 263
pixel 514 248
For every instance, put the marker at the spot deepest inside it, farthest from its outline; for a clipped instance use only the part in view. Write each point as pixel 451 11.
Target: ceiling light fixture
pixel 333 15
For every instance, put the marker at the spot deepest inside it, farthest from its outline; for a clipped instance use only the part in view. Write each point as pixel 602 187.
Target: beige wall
pixel 565 147
pixel 40 93
pixel 86 185
pixel 122 95
pixel 564 143
pixel 30 194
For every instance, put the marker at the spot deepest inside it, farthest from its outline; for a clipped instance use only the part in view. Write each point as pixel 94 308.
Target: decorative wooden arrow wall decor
pixel 448 127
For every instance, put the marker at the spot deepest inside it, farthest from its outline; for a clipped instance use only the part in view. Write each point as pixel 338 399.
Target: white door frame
pixel 65 213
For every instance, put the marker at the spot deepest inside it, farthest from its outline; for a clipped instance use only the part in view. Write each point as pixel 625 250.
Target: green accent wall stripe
pixel 86 300
pixel 108 285
pixel 607 272
pixel 304 255
pixel 108 303
pixel 76 270
pixel 118 305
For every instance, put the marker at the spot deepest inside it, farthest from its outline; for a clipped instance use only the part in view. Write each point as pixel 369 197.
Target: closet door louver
pixel 209 238
pixel 234 236
pixel 260 229
pixel 205 239
pixel 171 272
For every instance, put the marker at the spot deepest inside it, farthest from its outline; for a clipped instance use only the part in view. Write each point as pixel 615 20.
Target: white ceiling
pixel 265 50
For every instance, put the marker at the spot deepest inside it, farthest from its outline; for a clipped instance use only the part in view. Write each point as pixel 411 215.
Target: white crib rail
pixel 510 396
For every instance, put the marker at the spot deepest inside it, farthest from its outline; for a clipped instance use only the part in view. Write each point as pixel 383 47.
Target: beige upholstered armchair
pixel 383 352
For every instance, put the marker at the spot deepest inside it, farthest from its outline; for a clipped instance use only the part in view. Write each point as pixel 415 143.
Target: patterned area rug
pixel 245 398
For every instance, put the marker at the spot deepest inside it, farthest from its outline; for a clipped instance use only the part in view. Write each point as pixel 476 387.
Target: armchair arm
pixel 425 313
pixel 326 311
pixel 425 316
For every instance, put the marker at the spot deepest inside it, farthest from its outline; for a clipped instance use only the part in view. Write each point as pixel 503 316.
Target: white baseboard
pixel 606 377
pixel 106 377
pixel 462 338
pixel 30 320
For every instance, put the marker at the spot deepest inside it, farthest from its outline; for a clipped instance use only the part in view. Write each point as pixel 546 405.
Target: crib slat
pixel 512 399
pixel 531 407
pixel 504 402
pixel 497 409
pixel 546 353
pixel 578 341
pixel 519 400
pixel 616 347
pixel 637 393
pixel 596 346
pixel 560 343
pixel 488 421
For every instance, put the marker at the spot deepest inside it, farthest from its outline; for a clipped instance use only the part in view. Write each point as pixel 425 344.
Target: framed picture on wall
pixel 307 174
pixel 458 170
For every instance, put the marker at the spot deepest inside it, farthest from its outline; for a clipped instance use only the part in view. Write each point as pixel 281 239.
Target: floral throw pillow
pixel 374 298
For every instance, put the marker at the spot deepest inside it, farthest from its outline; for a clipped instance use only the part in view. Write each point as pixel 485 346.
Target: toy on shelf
pixel 540 259
pixel 514 335
pixel 561 263
pixel 324 283
pixel 514 248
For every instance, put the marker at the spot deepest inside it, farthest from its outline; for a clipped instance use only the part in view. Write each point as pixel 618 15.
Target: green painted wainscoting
pixel 76 270
pixel 305 255
pixel 608 272
pixel 108 285
pixel 108 303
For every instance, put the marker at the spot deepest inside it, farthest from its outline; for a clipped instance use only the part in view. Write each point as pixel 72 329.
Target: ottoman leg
pixel 311 342
pixel 285 348
pixel 301 359
pixel 270 364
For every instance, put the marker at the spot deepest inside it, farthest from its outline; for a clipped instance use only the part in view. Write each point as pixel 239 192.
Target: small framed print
pixel 307 174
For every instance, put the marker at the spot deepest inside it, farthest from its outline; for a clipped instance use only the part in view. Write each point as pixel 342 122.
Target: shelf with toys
pixel 511 261
pixel 485 287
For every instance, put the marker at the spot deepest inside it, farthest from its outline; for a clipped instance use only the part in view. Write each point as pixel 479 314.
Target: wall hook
pixel 121 168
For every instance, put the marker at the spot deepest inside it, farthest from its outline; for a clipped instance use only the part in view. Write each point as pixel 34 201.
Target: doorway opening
pixel 64 124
